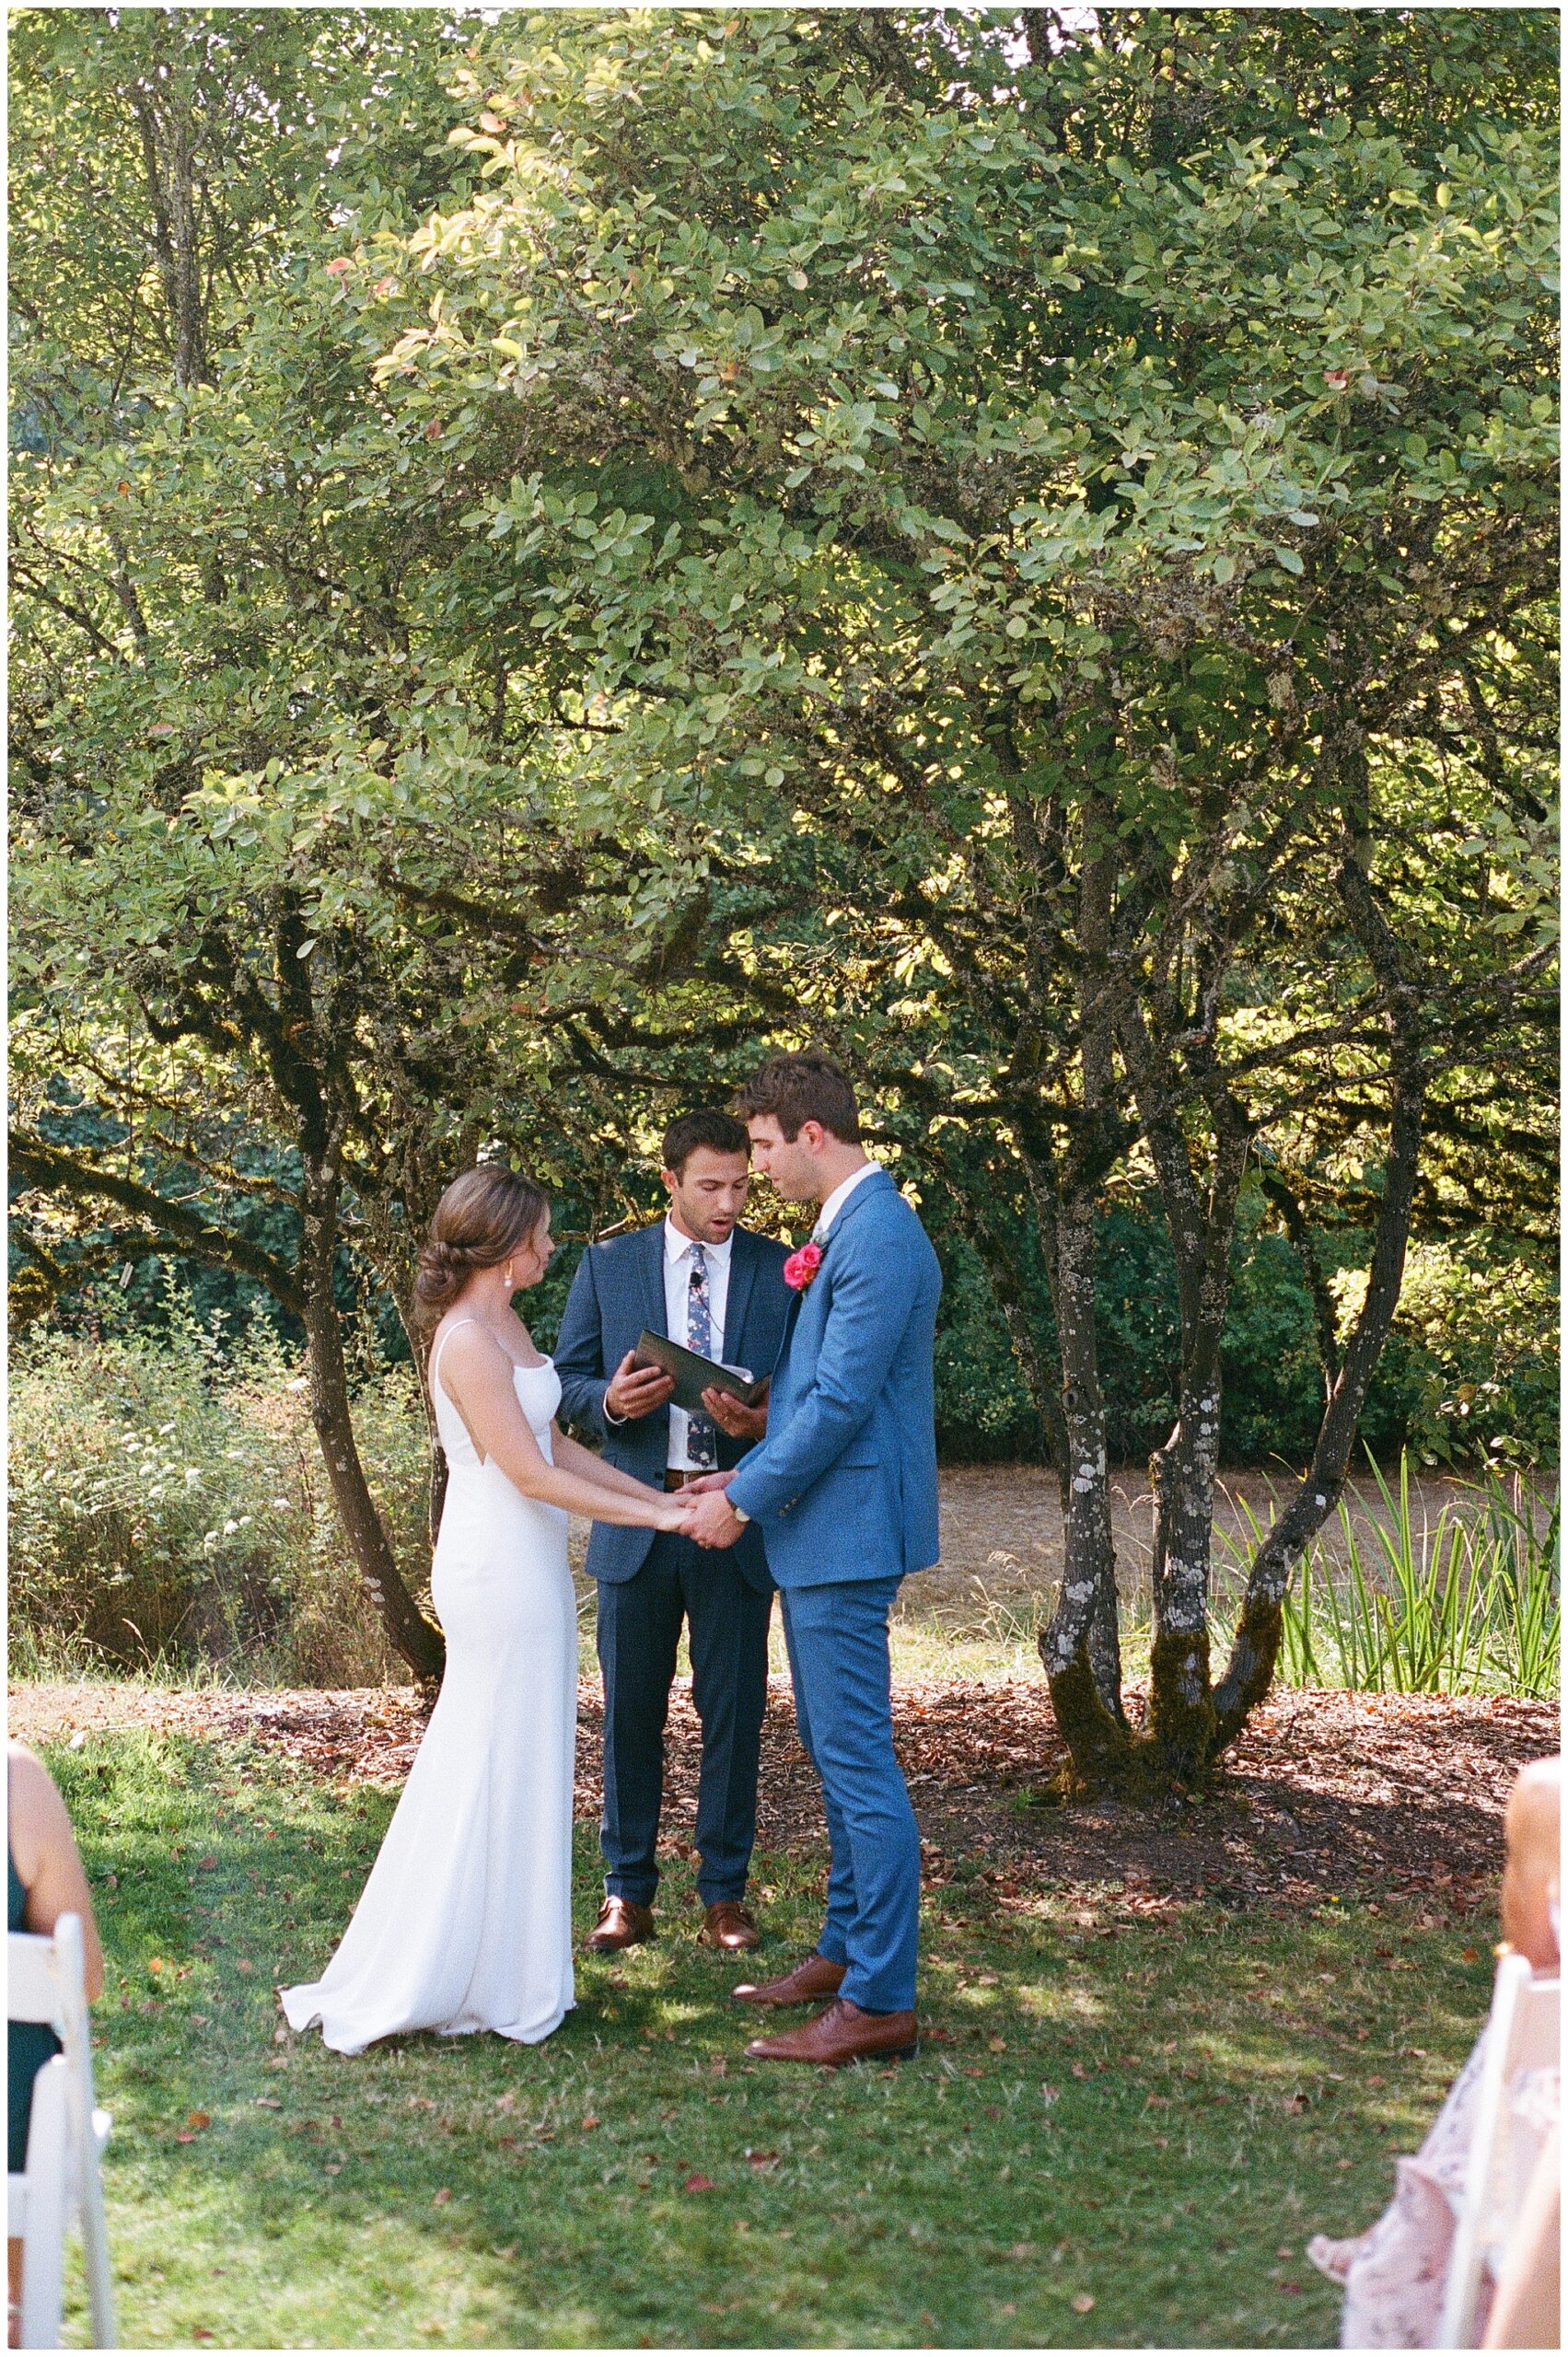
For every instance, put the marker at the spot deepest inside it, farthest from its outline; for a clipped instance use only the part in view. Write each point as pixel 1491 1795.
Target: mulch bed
pixel 1328 1793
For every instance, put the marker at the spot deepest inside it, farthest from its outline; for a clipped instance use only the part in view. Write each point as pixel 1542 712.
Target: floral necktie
pixel 701 1434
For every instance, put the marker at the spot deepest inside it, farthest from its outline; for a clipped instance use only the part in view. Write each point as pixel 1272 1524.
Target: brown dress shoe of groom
pixel 728 1924
pixel 842 2033
pixel 623 1924
pixel 807 1984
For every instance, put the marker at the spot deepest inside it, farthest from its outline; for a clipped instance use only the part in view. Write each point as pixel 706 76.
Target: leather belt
pixel 677 1480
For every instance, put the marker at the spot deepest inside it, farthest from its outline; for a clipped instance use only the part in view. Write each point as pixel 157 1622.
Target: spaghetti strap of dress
pixel 436 1362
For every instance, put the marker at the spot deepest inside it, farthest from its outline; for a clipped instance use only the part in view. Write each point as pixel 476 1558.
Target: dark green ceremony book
pixel 694 1375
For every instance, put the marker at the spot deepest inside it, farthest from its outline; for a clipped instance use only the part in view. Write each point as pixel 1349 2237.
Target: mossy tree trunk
pixel 1255 1647
pixel 1202 1224
pixel 416 1639
pixel 1190 1721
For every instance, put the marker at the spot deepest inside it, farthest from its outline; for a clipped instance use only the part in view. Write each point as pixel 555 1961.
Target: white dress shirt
pixel 677 1305
pixel 833 1204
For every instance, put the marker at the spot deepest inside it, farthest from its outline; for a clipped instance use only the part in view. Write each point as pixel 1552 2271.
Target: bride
pixel 465 1920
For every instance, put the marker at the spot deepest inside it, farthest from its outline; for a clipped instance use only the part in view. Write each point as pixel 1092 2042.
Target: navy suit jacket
pixel 617 1290
pixel 845 1485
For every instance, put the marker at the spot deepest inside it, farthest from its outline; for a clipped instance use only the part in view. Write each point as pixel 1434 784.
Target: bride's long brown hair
pixel 482 1216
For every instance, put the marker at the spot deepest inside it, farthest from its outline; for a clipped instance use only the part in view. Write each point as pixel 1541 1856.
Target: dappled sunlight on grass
pixel 1204 2091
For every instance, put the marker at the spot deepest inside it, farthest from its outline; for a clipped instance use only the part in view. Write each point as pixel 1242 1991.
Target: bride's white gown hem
pixel 465 1920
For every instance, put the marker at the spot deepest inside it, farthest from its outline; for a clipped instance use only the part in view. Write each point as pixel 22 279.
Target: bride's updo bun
pixel 482 1217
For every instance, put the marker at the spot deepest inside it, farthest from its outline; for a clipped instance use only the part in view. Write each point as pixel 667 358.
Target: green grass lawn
pixel 1152 2123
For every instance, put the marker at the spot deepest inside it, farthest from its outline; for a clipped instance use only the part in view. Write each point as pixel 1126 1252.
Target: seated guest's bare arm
pixel 47 1858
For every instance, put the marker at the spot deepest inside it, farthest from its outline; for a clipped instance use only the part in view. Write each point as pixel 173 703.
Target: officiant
pixel 700 1278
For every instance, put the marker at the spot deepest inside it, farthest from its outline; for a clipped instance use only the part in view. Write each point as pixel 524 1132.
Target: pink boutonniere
pixel 802 1266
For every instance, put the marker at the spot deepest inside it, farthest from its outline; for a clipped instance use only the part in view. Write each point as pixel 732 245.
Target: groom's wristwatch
pixel 740 1514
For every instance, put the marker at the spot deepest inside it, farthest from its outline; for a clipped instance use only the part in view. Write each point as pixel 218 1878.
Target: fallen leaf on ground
pixel 1083 2301
pixel 442 2193
pixel 697 2183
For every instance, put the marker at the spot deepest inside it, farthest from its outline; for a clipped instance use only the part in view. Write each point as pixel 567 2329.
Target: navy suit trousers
pixel 639 1630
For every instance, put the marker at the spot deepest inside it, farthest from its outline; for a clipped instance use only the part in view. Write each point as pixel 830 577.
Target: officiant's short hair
pixel 805 1087
pixel 721 1132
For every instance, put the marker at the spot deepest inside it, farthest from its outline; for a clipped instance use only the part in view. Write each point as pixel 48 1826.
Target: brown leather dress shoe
pixel 807 1984
pixel 728 1924
pixel 621 1925
pixel 841 2033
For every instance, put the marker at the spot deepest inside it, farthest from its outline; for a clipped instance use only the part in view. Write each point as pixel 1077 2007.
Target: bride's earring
pixel 506 1273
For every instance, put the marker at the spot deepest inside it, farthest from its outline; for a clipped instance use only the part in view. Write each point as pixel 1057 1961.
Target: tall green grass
pixel 1468 1604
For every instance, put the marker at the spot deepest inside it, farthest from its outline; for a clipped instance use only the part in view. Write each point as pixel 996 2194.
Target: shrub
pixel 169 1507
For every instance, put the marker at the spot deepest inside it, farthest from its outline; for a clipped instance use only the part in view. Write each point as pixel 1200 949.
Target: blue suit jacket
pixel 617 1289
pixel 845 1485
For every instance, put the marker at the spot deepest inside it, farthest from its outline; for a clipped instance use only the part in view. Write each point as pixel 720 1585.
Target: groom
pixel 843 1489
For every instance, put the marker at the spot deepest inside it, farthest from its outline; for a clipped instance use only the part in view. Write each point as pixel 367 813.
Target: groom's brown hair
pixel 805 1087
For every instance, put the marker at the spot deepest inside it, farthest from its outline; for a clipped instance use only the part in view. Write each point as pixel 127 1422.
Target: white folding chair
pixel 65 2139
pixel 1523 2034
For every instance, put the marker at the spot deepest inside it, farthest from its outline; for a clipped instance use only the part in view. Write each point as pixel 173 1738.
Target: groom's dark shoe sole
pixel 842 2033
pixel 807 1985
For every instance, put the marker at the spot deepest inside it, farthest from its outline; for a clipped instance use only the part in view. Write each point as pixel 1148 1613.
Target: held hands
pixel 711 1522
pixel 700 1511
pixel 636 1391
pixel 732 1417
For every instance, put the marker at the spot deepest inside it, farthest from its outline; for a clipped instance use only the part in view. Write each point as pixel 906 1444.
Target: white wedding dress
pixel 465 1920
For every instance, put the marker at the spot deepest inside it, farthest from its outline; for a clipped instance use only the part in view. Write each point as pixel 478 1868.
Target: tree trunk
pixel 416 1639
pixel 1093 1731
pixel 1181 1707
pixel 168 154
pixel 1255 1648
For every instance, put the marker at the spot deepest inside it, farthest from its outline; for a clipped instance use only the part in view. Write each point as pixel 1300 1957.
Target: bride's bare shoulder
pixel 467 1348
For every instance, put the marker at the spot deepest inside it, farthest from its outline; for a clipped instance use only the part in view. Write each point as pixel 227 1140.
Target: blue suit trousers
pixel 837 1636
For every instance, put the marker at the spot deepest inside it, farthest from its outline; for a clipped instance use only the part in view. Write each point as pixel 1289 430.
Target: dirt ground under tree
pixel 1328 1795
